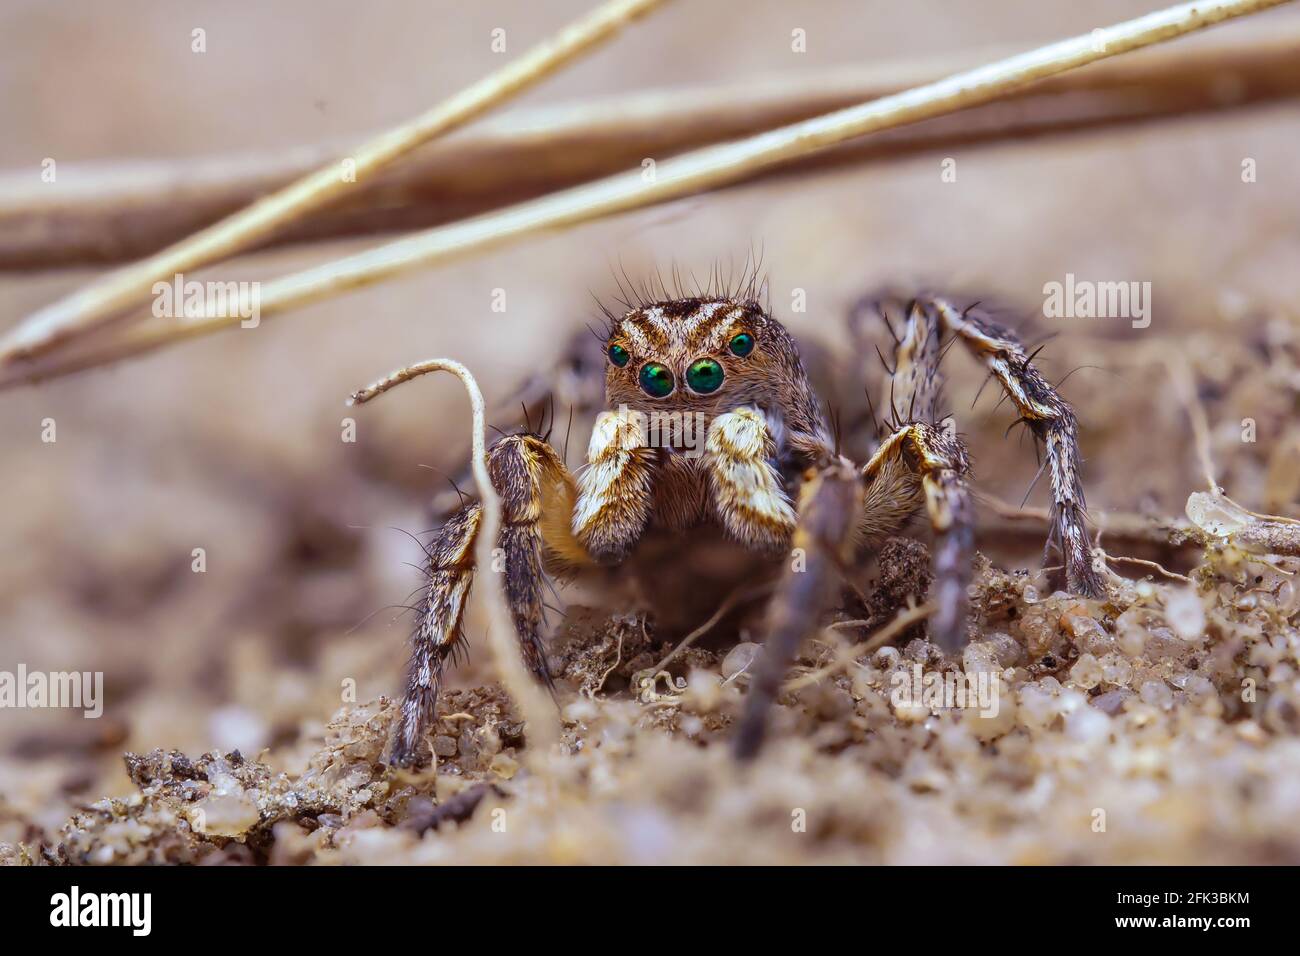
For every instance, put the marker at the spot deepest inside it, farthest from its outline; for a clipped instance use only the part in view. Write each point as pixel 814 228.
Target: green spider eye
pixel 704 376
pixel 618 355
pixel 656 380
pixel 742 344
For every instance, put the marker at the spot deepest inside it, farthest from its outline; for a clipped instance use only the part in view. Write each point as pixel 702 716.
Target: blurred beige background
pixel 233 444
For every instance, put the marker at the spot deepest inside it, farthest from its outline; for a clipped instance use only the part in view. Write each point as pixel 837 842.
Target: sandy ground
pixel 285 651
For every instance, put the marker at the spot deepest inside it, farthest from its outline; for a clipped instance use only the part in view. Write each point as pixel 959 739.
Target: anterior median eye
pixel 742 344
pixel 656 380
pixel 618 355
pixel 704 376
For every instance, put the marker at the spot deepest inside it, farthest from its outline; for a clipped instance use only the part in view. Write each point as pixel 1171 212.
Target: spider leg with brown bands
pixel 438 632
pixel 940 460
pixel 828 499
pixel 746 488
pixel 1052 421
pixel 915 387
pixel 534 485
pixel 532 482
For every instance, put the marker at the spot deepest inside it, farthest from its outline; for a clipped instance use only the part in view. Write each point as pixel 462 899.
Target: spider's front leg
pixel 919 453
pixel 534 486
pixel 830 497
pixel 549 522
pixel 840 508
pixel 749 499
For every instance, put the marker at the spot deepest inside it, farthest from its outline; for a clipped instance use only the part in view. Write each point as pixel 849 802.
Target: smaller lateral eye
pixel 741 344
pixel 618 355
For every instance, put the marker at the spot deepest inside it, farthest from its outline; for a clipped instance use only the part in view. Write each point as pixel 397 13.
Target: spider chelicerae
pixel 710 423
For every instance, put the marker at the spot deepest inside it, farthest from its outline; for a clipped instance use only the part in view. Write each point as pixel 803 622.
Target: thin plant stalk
pixel 537 709
pixel 690 173
pixel 102 300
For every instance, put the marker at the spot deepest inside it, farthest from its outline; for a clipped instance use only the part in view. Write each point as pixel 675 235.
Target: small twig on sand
pixel 618 659
pixel 538 711
pixel 847 656
pixel 1220 518
pixel 1149 564
pixel 736 597
pixel 1258 533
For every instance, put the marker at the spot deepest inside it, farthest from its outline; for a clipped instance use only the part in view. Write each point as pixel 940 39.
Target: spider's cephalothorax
pixel 714 397
pixel 710 420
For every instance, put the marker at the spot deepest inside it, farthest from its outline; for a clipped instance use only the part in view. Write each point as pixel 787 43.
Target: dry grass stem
pixel 693 172
pixel 1180 372
pixel 1124 525
pixel 1221 519
pixel 102 300
pixel 115 212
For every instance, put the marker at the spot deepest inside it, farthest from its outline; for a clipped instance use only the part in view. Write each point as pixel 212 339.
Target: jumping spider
pixel 767 475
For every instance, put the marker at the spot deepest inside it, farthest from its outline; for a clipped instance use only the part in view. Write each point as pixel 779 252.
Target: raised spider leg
pixel 920 447
pixel 748 497
pixel 923 462
pixel 1052 421
pixel 828 499
pixel 532 482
